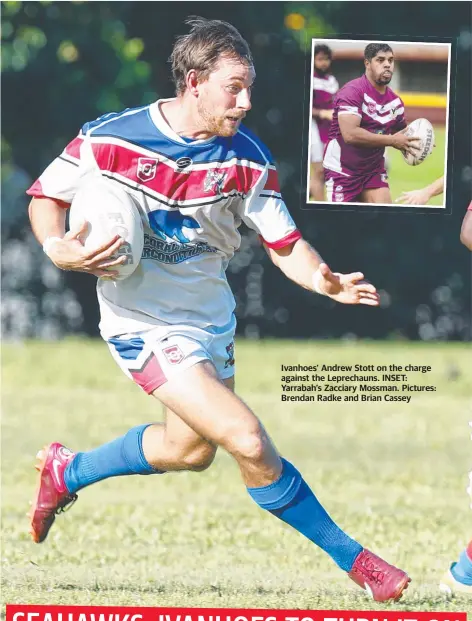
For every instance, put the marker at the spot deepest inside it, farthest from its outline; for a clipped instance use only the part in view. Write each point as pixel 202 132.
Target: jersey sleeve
pixel 266 213
pixel 401 118
pixel 61 177
pixel 349 101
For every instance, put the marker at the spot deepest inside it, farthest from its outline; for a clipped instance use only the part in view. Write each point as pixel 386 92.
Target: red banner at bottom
pixel 129 613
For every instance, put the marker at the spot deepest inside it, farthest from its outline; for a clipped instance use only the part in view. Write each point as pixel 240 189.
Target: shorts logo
pixel 338 197
pixel 384 177
pixel 173 354
pixel 147 167
pixel 339 188
pixel 214 181
pixel 182 163
pixel 230 352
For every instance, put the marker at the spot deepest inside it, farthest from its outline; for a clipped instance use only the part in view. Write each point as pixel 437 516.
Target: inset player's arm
pixel 424 195
pixel 466 230
pixel 302 264
pixel 320 113
pixel 355 135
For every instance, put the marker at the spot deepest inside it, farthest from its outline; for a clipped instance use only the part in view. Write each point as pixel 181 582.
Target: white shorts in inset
pixel 152 357
pixel 317 147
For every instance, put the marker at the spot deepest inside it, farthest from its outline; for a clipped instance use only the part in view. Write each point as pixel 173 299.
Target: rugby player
pixel 170 325
pixel 466 229
pixel 458 578
pixel 368 116
pixel 325 86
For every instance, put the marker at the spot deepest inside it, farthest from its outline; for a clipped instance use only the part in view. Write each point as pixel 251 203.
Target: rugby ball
pixel 109 210
pixel 422 129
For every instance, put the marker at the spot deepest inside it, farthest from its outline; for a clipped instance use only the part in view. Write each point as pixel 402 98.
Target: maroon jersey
pixel 325 88
pixel 379 114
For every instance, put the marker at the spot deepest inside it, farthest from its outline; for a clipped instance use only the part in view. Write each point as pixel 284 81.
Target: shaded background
pixel 68 62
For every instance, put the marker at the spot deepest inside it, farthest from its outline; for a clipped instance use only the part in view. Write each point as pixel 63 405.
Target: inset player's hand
pixel 69 253
pixel 415 197
pixel 408 144
pixel 346 288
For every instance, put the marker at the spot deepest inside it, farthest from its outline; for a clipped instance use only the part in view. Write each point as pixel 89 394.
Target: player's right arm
pixel 52 195
pixel 66 251
pixel 354 134
pixel 466 230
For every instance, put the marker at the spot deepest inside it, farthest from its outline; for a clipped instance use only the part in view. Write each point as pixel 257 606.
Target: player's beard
pixel 215 125
pixel 383 80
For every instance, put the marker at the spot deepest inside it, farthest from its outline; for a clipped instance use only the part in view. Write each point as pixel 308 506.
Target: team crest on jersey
pixel 147 167
pixel 371 107
pixel 173 354
pixel 214 181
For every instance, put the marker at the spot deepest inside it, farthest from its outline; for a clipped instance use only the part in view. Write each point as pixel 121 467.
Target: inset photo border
pixel 397 90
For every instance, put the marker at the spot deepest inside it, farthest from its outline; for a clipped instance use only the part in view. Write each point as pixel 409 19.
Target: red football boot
pixel 381 580
pixel 52 496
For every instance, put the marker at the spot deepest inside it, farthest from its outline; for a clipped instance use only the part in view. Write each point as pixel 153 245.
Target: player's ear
pixel 192 83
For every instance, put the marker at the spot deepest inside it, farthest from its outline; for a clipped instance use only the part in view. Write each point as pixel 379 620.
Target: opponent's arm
pixel 421 197
pixel 355 135
pixel 322 114
pixel 466 230
pixel 65 250
pixel 302 264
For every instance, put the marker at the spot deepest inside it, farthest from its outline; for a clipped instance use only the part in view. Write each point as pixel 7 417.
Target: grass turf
pixel 393 475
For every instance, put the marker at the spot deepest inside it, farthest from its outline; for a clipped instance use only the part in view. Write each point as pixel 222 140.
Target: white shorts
pixel 317 146
pixel 152 357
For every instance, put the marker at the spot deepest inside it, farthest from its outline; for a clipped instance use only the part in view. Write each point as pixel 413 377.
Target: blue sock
pixel 462 571
pixel 117 458
pixel 290 499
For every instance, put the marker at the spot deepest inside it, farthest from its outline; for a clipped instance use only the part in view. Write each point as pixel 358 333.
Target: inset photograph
pixel 378 123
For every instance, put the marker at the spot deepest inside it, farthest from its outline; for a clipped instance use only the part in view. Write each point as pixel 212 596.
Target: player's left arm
pixel 300 262
pixel 466 229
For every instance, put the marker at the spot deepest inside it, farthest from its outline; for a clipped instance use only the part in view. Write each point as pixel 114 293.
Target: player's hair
pixel 202 47
pixel 323 49
pixel 374 48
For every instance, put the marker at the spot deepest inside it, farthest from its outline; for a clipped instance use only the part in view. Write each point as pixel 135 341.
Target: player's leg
pixel 317 188
pixel 380 196
pixel 148 359
pixel 218 415
pixel 375 189
pixel 458 579
pixel 317 192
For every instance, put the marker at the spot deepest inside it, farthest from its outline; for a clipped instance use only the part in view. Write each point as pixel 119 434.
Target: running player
pixel 196 172
pixel 368 116
pixel 325 86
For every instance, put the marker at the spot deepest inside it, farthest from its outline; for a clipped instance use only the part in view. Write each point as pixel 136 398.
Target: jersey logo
pixel 147 167
pixel 173 354
pixel 182 163
pixel 371 107
pixel 214 181
pixel 169 224
pixel 230 353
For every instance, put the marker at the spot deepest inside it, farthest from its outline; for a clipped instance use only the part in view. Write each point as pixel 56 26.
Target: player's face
pixel 322 62
pixel 225 97
pixel 381 68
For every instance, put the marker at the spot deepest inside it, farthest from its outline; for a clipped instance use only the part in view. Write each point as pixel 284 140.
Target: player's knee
pixel 248 444
pixel 200 458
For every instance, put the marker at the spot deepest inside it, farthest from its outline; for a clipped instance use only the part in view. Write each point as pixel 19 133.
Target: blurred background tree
pixel 64 63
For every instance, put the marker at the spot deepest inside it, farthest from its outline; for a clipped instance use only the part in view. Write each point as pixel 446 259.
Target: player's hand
pixel 347 288
pixel 415 197
pixel 409 144
pixel 69 253
pixel 326 115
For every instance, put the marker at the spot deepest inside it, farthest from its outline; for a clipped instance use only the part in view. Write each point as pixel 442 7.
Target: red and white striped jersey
pixel 192 196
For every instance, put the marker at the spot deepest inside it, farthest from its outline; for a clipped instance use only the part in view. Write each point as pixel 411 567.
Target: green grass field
pixel 403 178
pixel 393 475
